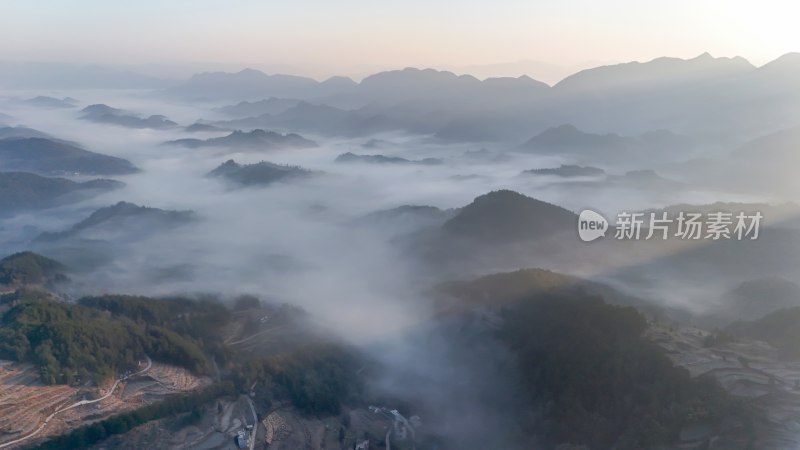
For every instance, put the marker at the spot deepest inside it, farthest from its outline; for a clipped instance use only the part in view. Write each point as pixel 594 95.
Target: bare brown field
pixel 26 403
pixel 176 378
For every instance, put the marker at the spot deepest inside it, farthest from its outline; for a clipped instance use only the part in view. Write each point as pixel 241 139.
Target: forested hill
pixel 103 336
pixel 597 381
pixel 28 268
pixel 587 373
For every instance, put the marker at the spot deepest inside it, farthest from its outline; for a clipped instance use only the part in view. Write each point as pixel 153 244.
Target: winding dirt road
pixel 76 404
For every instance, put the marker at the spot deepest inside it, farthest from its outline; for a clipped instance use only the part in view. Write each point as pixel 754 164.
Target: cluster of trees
pixel 318 380
pixel 29 268
pixel 201 320
pixel 99 337
pixel 86 436
pixel 102 336
pixel 596 381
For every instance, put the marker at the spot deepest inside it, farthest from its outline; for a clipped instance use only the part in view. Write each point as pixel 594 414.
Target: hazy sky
pixel 347 36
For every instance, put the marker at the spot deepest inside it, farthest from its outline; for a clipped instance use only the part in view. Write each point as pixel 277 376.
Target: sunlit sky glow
pixel 349 36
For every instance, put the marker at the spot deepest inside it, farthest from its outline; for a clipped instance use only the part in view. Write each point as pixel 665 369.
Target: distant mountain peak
pixel 659 71
pixel 102 113
pixel 43 155
pixel 786 61
pixel 114 220
pixel 339 81
pixel 28 191
pixel 568 137
pixel 100 108
pixel 249 71
pixel 261 173
pixel 258 138
pixel 251 83
pixel 29 268
pixel 507 216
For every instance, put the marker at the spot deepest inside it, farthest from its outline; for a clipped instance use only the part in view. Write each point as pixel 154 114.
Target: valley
pixel 209 256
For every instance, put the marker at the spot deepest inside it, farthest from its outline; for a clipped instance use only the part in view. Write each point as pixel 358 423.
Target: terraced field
pixel 175 378
pixel 26 403
pixel 751 371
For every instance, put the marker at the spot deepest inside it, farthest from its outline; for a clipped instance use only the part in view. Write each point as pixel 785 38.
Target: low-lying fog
pixel 294 241
pixel 307 242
